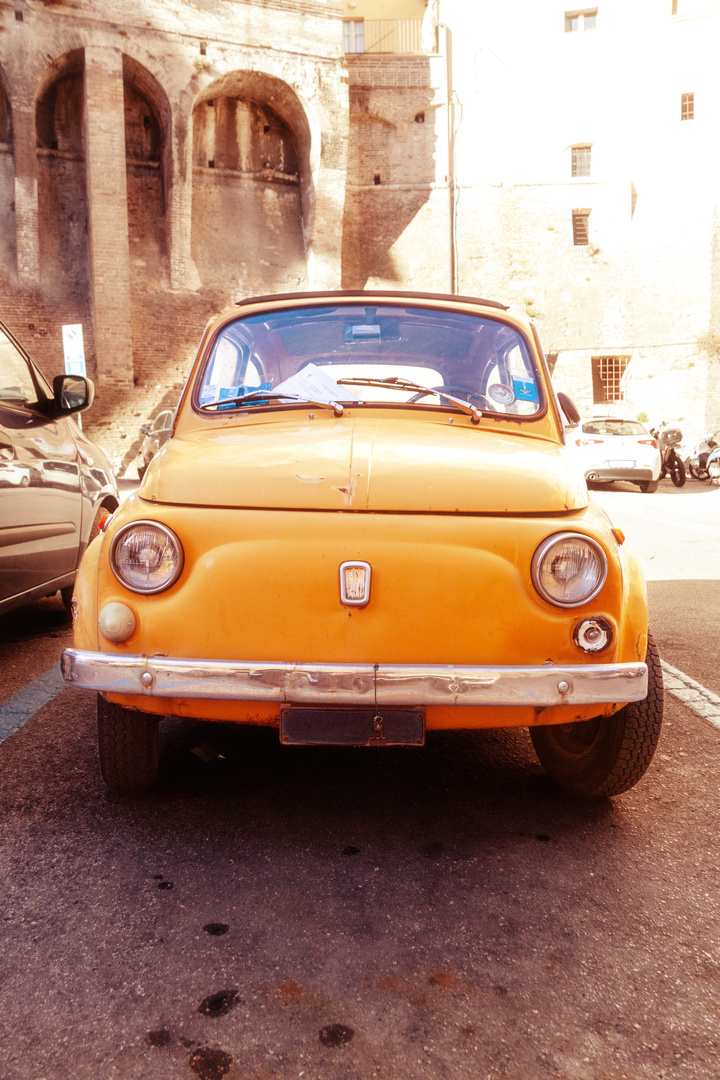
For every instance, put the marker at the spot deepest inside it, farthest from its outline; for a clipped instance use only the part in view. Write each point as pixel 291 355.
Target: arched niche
pixel 62 189
pixel 148 124
pixel 5 116
pixel 251 185
pixel 8 249
pixel 59 106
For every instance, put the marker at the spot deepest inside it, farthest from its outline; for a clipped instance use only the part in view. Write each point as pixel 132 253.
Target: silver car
pixel 55 484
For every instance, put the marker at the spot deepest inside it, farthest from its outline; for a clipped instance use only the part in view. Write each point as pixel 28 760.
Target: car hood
pixel 399 465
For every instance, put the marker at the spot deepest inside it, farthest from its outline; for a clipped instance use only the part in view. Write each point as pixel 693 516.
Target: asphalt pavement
pixel 273 912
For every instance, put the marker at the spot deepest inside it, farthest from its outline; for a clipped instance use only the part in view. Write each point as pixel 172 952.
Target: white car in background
pixel 608 448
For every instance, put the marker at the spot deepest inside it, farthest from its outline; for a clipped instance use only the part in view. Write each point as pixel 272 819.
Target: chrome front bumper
pixel 355 684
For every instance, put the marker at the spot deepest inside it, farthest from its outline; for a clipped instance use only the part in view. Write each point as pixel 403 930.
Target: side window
pixel 17 385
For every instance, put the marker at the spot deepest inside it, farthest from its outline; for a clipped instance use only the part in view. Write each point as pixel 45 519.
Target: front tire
pixel 677 472
pixel 649 486
pixel 128 748
pixel 608 755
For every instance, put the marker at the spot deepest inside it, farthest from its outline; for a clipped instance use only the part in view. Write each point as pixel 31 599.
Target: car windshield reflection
pixel 363 355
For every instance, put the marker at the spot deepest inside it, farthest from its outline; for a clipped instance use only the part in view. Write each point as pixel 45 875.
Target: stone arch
pixel 253 159
pixel 148 154
pixel 62 188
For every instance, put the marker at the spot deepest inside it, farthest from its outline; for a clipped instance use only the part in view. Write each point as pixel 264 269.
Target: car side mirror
pixel 72 393
pixel 569 408
pixel 145 429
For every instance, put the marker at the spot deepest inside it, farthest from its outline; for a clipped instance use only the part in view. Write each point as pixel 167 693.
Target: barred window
pixel 687 107
pixel 608 375
pixel 580 161
pixel 581 227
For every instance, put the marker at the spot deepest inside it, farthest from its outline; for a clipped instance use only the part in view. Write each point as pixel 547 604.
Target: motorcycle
pixel 697 464
pixel 671 462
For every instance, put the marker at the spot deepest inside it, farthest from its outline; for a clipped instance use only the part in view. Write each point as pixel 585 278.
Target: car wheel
pixel 607 755
pixel 649 486
pixel 128 748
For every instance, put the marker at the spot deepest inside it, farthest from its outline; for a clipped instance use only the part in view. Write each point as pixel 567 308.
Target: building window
pixel 579 21
pixel 581 227
pixel 580 161
pixel 608 375
pixel 687 107
pixel 353 35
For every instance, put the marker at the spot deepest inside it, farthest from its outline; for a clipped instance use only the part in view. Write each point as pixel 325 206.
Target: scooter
pixel 713 464
pixel 672 466
pixel 697 463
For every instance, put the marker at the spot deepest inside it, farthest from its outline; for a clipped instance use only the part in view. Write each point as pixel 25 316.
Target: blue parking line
pixel 35 696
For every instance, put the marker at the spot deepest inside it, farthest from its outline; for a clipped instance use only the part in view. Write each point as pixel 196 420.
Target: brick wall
pixel 134 238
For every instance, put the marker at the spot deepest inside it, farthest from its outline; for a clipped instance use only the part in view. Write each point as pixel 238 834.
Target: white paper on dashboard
pixel 314 384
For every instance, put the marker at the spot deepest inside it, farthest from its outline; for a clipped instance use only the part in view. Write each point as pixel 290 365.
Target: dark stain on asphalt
pixel 501 991
pixel 161 1037
pixel 210 1064
pixel 165 884
pixel 336 1035
pixel 219 1004
pixel 351 850
pixel 216 929
pixel 543 837
pixel 433 849
pixel 442 979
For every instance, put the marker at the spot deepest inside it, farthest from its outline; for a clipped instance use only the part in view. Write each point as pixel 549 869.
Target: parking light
pixel 116 621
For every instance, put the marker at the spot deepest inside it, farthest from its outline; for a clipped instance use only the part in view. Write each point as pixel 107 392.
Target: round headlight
pixel 146 557
pixel 569 569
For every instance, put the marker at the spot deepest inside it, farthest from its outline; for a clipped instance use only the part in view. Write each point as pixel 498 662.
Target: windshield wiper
pixel 403 384
pixel 267 395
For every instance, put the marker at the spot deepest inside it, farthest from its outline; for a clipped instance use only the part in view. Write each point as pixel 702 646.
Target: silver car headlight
pixel 569 569
pixel 146 557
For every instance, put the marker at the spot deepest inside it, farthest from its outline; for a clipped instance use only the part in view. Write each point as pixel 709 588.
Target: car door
pixel 40 483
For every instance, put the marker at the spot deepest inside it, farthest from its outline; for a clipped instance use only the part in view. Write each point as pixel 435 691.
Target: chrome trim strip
pixel 354 684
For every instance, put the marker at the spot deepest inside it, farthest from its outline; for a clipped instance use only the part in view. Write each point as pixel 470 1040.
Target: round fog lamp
pixel 593 635
pixel 116 622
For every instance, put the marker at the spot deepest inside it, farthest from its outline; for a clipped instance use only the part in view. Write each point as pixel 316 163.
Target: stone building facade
pixel 160 157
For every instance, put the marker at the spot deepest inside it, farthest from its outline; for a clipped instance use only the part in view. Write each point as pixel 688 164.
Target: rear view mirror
pixel 72 394
pixel 569 408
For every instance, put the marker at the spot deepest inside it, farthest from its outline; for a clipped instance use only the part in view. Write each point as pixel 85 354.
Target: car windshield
pixel 369 354
pixel 614 427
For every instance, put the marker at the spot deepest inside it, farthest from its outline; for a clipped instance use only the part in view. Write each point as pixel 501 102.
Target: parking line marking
pixel 35 696
pixel 693 694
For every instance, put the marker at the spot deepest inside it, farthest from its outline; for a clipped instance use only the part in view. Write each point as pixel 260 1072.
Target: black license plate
pixel 352 727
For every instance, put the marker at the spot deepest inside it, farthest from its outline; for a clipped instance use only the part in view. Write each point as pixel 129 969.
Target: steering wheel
pixel 471 396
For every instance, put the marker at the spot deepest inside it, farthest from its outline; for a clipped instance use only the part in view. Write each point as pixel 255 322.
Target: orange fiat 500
pixel 365 526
